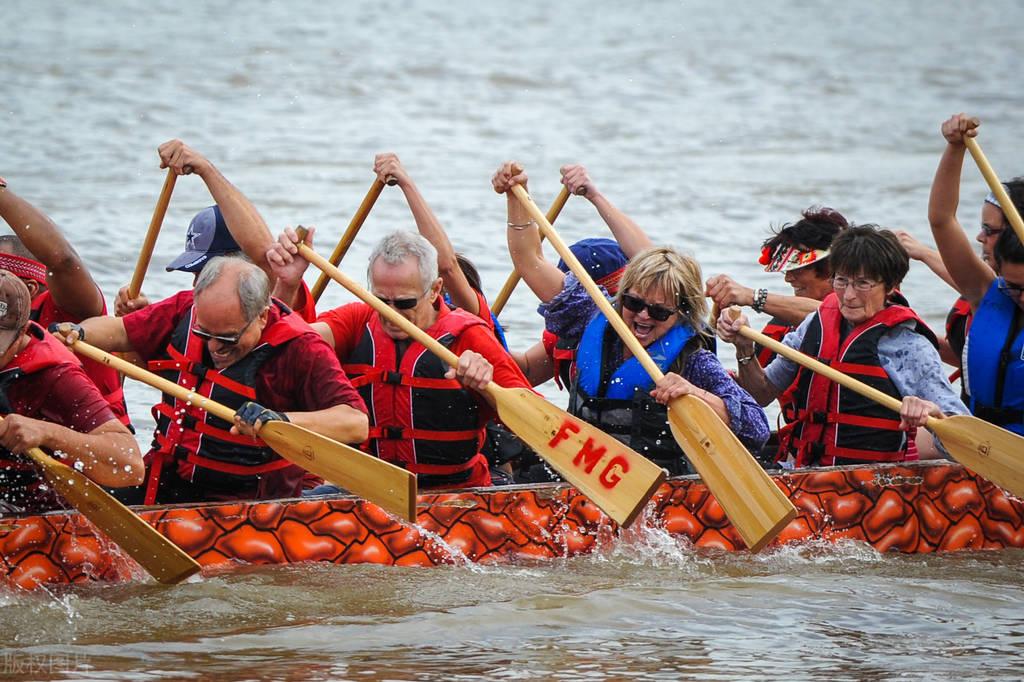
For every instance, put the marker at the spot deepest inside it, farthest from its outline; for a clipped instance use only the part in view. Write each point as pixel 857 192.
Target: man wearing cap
pixel 231 227
pixel 48 401
pixel 58 281
pixel 423 416
pixel 228 340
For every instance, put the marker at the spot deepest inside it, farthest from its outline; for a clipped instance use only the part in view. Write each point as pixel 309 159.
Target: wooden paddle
pixel 758 509
pixel 373 479
pixel 350 233
pixel 618 480
pixel 513 277
pixel 1009 210
pixel 160 557
pixel 151 234
pixel 990 451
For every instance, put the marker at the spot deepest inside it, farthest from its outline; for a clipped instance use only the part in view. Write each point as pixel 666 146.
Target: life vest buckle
pixel 392 432
pixel 199 371
pixel 393 378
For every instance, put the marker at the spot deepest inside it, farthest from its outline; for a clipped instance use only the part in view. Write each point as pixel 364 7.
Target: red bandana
pixel 25 268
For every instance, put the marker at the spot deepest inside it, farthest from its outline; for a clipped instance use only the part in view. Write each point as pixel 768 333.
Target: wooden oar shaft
pixel 513 278
pixel 350 233
pixel 139 374
pixel 1005 203
pixel 151 234
pixel 823 369
pixel 635 347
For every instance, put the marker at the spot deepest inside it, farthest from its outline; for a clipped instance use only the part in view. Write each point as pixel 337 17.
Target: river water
pixel 707 122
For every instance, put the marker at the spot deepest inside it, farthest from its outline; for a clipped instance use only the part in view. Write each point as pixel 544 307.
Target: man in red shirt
pixel 48 401
pixel 58 281
pixel 424 416
pixel 229 341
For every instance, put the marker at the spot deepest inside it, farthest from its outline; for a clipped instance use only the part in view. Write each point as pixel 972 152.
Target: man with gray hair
pixel 424 416
pixel 229 341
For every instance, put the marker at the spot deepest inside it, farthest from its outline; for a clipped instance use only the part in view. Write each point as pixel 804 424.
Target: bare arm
pixel 105 332
pixel 970 275
pixel 67 277
pixel 751 375
pixel 726 291
pixel 930 257
pixel 631 238
pixel 244 222
pixel 343 423
pixel 429 226
pixel 535 364
pixel 540 274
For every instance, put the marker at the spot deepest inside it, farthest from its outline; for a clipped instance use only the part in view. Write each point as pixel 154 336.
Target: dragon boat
pixel 918 507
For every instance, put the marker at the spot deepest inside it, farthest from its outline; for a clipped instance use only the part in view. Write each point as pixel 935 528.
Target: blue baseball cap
pixel 602 258
pixel 207 237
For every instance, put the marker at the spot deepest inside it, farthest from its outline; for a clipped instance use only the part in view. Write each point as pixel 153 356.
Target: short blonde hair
pixel 675 275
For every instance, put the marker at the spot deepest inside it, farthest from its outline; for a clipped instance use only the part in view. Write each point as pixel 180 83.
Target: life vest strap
pixel 404 433
pixel 445 469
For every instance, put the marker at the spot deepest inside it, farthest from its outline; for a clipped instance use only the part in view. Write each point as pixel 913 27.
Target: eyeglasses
pixel 226 340
pixel 657 312
pixel 1011 290
pixel 859 284
pixel 401 303
pixel 990 231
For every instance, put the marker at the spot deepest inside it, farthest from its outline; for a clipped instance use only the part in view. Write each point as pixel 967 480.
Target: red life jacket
pixel 833 422
pixel 213 461
pixel 106 378
pixel 419 420
pixel 958 323
pixel 777 329
pixel 563 355
pixel 20 483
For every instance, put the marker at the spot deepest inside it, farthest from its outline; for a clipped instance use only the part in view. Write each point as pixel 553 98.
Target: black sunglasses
pixel 400 303
pixel 226 340
pixel 657 312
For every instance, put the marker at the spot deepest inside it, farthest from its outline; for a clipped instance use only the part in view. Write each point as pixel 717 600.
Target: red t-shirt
pixel 347 324
pixel 305 306
pixel 305 376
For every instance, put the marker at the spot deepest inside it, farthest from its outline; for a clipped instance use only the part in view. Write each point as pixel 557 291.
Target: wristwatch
pixel 760 298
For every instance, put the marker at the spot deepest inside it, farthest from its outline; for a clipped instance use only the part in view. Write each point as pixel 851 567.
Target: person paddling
pixel 228 340
pixel 48 401
pixel 991 284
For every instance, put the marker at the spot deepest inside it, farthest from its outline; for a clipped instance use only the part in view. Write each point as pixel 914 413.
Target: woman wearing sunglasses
pixel 661 300
pixel 993 355
pixel 860 332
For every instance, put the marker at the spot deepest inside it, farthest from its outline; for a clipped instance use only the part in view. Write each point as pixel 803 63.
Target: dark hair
pixel 16 247
pixel 470 271
pixel 867 250
pixel 816 230
pixel 1008 248
pixel 1015 190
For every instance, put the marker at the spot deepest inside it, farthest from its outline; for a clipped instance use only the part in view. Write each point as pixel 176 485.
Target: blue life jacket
pixel 619 401
pixel 994 362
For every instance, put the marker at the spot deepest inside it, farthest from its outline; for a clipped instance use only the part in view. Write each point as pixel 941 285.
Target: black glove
pixel 55 328
pixel 251 412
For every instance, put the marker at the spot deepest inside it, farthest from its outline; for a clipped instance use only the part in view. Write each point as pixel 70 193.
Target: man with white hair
pixel 229 341
pixel 424 416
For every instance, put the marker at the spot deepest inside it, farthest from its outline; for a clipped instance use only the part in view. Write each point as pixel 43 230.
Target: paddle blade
pixel 615 478
pixel 386 485
pixel 988 450
pixel 757 508
pixel 160 557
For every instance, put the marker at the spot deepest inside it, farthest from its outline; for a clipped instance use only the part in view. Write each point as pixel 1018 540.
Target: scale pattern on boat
pixel 911 508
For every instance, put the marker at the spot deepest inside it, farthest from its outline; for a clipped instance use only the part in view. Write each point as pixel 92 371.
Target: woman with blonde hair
pixel 661 300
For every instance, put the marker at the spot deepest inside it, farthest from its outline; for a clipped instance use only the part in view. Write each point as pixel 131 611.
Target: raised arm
pixel 971 276
pixel 930 257
pixel 725 291
pixel 540 274
pixel 429 226
pixel 631 238
pixel 67 277
pixel 240 215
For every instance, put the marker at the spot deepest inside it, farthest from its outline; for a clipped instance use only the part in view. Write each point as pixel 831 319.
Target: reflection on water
pixel 706 122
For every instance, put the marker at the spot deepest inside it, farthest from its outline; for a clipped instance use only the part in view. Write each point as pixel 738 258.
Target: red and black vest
pixel 777 329
pixel 20 482
pixel 211 462
pixel 106 378
pixel 831 421
pixel 958 324
pixel 419 420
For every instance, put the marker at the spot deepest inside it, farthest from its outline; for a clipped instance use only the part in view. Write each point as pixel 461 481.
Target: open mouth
pixel 642 330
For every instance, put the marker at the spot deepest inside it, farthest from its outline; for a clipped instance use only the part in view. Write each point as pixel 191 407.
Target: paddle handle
pixel 128 369
pixel 819 367
pixel 385 310
pixel 351 231
pixel 514 276
pixel 1009 210
pixel 151 234
pixel 638 351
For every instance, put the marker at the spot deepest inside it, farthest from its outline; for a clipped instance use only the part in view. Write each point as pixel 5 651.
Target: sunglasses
pixel 990 231
pixel 401 303
pixel 226 340
pixel 635 304
pixel 1011 290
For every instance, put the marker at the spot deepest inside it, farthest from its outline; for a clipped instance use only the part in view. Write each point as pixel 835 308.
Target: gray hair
pixel 253 284
pixel 397 246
